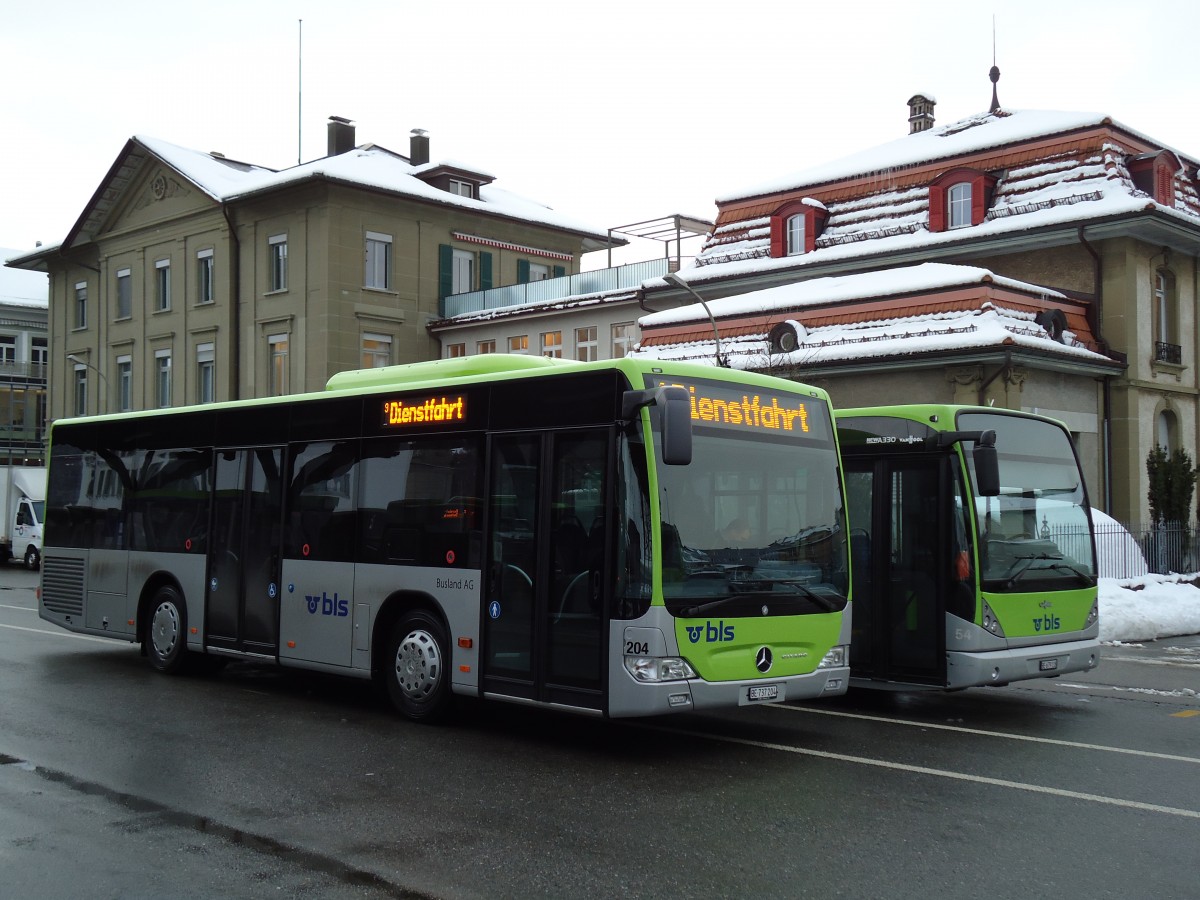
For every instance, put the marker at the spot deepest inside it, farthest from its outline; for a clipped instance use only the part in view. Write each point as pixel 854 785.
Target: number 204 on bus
pixel 616 538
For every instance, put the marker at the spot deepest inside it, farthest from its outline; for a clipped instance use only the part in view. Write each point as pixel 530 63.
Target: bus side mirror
pixel 675 407
pixel 676 427
pixel 987 470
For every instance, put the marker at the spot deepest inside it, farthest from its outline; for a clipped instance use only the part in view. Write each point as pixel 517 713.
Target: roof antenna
pixel 994 74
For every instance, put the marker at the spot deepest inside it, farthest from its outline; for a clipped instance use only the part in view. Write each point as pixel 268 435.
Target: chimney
pixel 418 147
pixel 920 112
pixel 341 136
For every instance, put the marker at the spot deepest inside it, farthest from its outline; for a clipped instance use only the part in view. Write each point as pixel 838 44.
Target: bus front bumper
pixel 696 694
pixel 999 667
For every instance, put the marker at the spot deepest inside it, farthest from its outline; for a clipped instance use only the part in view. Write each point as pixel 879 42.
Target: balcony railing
pixel 617 278
pixel 1168 353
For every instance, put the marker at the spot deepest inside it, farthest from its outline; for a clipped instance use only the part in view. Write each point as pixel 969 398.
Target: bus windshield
pixel 1036 534
pixel 753 526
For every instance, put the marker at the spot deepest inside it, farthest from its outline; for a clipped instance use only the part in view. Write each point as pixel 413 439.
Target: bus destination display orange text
pixel 423 411
pixel 750 411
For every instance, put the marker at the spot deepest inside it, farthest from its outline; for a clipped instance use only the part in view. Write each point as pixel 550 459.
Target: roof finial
pixel 994 73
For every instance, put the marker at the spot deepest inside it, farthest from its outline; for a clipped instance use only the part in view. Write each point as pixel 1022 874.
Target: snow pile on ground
pixel 1150 607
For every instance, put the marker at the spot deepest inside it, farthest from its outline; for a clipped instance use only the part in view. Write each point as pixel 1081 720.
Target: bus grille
pixel 62 585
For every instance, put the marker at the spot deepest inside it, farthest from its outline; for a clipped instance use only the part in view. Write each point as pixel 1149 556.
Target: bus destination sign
pixel 714 403
pixel 411 411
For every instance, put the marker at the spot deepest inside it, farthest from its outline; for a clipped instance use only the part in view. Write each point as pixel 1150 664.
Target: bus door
pixel 901 565
pixel 242 609
pixel 545 612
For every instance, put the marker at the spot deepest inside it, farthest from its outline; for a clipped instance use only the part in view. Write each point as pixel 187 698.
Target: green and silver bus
pixel 615 538
pixel 957 580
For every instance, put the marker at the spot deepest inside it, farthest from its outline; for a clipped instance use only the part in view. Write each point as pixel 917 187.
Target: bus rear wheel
pixel 166 632
pixel 416 667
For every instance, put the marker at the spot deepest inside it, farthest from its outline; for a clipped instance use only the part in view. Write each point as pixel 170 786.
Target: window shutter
pixel 522 271
pixel 445 271
pixel 485 271
pixel 778 237
pixel 559 271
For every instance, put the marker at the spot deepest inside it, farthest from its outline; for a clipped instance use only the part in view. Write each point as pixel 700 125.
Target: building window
pixel 796 225
pixel 124 383
pixel 376 351
pixel 518 344
pixel 485 347
pixel 81 299
pixel 162 285
pixel 206 373
pixel 462 188
pixel 958 205
pixel 453 351
pixel 586 347
pixel 1164 307
pixel 959 198
pixel 277 245
pixel 623 338
pixel 124 293
pixel 81 390
pixel 204 276
pixel 463 272
pixel 795 235
pixel 1164 431
pixel 277 375
pixel 162 378
pixel 39 355
pixel 379 261
pixel 552 344
pixel 8 350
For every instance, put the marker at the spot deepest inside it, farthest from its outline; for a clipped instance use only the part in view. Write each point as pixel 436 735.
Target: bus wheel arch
pixel 412 657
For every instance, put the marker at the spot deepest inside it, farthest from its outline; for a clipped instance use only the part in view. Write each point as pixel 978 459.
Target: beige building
pixel 191 278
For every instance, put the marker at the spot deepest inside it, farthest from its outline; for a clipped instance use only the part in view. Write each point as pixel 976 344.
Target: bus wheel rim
pixel 418 665
pixel 164 629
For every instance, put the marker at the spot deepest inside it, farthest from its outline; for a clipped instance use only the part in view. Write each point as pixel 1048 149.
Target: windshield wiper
pixel 824 601
pixel 1021 566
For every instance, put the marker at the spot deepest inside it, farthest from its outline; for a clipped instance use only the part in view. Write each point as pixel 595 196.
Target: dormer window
pixel 959 199
pixel 795 227
pixel 958 204
pixel 462 188
pixel 1154 174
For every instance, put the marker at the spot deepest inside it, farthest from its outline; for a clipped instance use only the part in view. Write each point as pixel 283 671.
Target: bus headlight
pixel 1093 615
pixel 990 623
pixel 835 658
pixel 659 668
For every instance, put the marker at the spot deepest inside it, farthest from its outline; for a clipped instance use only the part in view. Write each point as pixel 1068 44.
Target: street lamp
pixel 83 362
pixel 673 279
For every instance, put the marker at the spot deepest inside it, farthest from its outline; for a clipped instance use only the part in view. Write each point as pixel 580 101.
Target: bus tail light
pixel 659 668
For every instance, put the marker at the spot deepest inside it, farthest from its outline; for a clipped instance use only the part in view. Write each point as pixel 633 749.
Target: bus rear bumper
pixel 697 694
pixel 998 667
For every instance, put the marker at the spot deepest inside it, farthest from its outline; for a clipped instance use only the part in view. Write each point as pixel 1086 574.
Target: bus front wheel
pixel 416 668
pixel 166 632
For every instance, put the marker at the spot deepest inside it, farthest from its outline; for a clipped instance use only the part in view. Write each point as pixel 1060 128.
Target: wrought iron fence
pixel 1131 550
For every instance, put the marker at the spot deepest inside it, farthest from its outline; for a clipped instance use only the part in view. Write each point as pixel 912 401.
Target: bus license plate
pixel 761 692
pixel 1047 665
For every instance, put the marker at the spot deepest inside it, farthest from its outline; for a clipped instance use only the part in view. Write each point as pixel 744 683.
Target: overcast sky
pixel 611 112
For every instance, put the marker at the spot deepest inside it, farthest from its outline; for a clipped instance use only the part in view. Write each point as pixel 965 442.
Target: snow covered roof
pixel 915 311
pixel 1052 168
pixel 368 166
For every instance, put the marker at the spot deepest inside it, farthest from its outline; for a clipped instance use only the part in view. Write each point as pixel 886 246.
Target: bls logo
pixel 328 606
pixel 711 633
pixel 1047 623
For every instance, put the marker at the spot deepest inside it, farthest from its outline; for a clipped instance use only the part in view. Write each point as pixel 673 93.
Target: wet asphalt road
pixel 117 782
